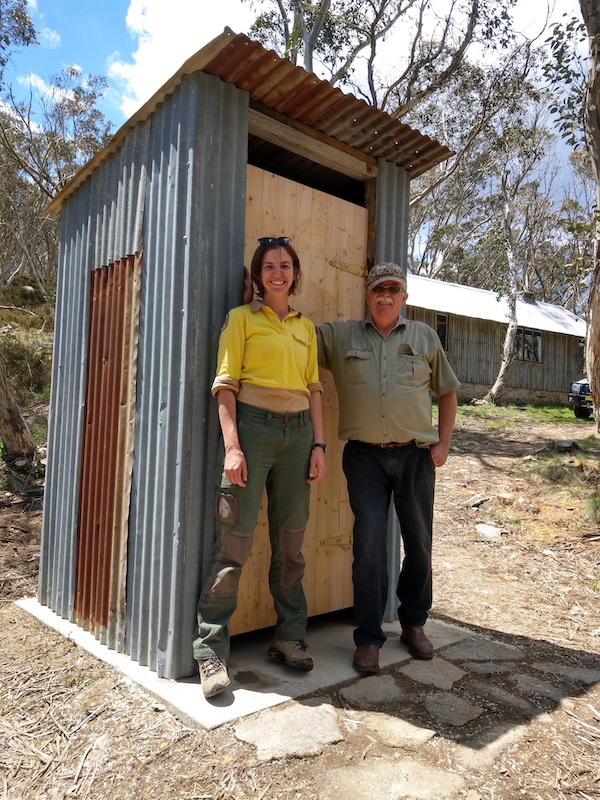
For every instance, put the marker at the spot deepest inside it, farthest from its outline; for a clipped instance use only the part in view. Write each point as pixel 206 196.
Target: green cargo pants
pixel 277 448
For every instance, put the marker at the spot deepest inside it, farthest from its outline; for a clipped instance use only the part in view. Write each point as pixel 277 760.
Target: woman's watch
pixel 319 444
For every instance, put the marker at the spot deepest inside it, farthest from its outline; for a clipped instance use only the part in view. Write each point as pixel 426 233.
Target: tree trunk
pixel 508 351
pixel 590 11
pixel 16 438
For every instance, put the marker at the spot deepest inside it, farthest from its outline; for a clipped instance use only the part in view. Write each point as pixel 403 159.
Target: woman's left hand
pixel 317 468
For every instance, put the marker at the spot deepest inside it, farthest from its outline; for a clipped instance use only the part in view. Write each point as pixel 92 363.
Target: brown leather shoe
pixel 418 644
pixel 366 658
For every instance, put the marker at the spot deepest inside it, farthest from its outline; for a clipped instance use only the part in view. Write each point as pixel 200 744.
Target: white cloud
pixel 40 87
pixel 35 82
pixel 168 33
pixel 49 38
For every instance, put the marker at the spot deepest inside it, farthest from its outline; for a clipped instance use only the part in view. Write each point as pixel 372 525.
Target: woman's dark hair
pixel 256 267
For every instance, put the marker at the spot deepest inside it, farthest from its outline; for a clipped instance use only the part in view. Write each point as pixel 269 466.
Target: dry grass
pixel 71 726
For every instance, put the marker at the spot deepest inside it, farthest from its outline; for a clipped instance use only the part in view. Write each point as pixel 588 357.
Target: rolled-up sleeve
pixel 313 384
pixel 230 354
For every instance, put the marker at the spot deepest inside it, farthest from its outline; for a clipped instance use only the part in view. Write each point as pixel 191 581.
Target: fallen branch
pixel 16 308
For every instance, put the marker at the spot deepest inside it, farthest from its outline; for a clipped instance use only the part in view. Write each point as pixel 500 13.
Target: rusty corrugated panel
pixel 105 481
pixel 100 224
pixel 295 93
pixel 125 450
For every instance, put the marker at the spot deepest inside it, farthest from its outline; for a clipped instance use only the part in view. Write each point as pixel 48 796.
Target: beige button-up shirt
pixel 384 384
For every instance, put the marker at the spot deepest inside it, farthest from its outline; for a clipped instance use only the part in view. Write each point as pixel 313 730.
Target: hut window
pixel 581 356
pixel 442 329
pixel 528 345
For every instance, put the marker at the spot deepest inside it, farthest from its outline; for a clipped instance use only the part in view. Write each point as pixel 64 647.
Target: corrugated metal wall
pixel 99 225
pixel 393 189
pixel 193 257
pixel 176 192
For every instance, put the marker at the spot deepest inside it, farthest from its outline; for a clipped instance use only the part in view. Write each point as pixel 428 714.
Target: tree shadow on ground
pixel 478 688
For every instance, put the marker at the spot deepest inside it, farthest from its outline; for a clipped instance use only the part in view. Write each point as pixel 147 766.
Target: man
pixel 385 368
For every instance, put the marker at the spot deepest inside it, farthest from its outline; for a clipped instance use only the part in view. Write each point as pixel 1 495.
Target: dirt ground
pixel 71 726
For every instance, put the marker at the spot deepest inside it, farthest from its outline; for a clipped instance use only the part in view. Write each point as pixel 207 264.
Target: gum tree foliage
pixel 346 37
pixel 590 10
pixel 16 30
pixel 456 207
pixel 578 111
pixel 486 217
pixel 43 142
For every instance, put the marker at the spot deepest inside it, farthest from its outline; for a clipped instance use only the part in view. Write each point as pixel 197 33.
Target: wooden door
pixel 330 237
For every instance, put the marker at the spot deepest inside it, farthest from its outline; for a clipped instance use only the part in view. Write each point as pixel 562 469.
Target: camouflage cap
pixel 386 271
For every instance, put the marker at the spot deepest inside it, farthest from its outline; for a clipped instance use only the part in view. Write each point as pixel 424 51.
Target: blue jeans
pixel 374 476
pixel 277 448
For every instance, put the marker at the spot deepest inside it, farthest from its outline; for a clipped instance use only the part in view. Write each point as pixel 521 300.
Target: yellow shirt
pixel 269 363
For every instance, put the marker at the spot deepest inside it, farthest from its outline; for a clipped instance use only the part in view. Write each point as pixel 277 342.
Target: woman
pixel 269 395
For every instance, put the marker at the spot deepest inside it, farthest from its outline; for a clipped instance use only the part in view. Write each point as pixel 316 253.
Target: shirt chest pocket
pixel 357 365
pixel 301 343
pixel 414 368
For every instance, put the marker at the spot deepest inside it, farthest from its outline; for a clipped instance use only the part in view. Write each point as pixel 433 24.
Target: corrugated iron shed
pixel 467 301
pixel 299 98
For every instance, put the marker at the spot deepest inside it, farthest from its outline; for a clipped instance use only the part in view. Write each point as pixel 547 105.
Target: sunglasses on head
pixel 393 289
pixel 281 240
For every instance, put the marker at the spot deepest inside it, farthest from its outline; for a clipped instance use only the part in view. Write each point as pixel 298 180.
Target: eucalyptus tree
pixel 16 30
pixel 575 77
pixel 520 151
pixel 497 221
pixel 590 10
pixel 350 40
pixel 43 142
pixel 448 203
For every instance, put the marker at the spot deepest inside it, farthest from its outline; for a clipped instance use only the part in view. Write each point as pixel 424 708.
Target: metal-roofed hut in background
pixel 153 234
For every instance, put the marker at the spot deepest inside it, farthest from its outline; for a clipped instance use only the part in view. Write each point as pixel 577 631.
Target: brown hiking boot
pixel 213 674
pixel 292 654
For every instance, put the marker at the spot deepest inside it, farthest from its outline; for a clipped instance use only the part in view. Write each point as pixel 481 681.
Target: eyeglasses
pixel 393 289
pixel 282 240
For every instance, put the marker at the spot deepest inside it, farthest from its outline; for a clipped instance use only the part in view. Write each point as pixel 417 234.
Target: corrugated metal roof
pixel 466 301
pixel 295 94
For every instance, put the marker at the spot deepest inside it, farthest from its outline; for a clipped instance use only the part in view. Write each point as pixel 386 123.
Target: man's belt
pixel 388 445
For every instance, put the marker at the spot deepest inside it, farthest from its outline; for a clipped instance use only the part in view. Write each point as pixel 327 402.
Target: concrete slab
pixel 257 682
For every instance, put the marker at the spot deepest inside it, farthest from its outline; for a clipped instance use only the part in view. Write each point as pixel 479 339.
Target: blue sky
pixel 138 44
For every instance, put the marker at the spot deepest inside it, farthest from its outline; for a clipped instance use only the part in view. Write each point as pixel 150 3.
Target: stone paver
pixel 389 730
pixel 481 751
pixel 534 687
pixel 451 709
pixel 372 691
pixel 409 778
pixel 296 730
pixel 498 695
pixel 437 672
pixel 581 674
pixel 482 649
